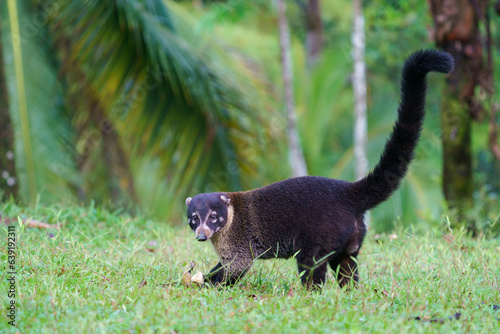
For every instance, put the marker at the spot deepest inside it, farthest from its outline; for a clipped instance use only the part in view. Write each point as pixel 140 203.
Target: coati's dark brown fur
pixel 317 219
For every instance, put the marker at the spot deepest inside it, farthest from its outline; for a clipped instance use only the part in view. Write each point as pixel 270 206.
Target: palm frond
pixel 171 93
pixel 42 134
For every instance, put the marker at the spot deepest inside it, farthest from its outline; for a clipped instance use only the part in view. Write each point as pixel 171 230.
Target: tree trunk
pixel 314 37
pixel 359 88
pixel 296 155
pixel 8 177
pixel 456 31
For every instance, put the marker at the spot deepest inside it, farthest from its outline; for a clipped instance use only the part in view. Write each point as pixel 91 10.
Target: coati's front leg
pixel 215 276
pixel 220 275
pixel 229 273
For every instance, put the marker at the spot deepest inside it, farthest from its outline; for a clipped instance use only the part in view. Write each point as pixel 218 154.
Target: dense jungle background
pixel 135 105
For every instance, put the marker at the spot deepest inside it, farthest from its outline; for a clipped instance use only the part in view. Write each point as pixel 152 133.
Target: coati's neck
pixel 230 217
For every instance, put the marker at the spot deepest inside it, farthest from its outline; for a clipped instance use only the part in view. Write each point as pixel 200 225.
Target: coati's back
pixel 298 211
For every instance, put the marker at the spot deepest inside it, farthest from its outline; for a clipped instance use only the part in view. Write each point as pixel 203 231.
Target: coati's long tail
pixel 399 149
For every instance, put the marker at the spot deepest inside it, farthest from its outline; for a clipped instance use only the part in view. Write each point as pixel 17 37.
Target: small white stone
pixel 10 155
pixel 198 278
pixel 5 174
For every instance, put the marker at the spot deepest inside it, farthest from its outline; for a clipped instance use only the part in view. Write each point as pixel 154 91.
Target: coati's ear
pixel 188 200
pixel 225 199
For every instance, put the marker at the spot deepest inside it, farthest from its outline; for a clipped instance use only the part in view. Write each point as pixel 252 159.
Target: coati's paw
pixel 215 278
pixel 216 275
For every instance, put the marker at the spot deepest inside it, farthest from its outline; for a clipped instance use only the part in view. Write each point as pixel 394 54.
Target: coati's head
pixel 207 214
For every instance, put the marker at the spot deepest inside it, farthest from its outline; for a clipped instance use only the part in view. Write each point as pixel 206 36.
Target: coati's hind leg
pixel 346 269
pixel 313 272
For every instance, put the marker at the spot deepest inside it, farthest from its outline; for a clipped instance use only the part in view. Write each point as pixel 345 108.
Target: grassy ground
pixel 105 272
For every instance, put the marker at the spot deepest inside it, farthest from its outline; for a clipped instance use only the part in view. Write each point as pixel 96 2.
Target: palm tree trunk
pixel 8 179
pixel 296 155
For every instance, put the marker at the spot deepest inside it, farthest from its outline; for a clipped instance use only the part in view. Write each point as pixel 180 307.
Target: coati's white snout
pixel 203 233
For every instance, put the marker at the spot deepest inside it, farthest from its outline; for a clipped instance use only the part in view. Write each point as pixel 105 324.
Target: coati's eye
pixel 195 217
pixel 213 216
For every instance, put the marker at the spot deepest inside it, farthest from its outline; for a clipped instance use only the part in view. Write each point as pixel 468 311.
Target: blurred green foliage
pixel 214 120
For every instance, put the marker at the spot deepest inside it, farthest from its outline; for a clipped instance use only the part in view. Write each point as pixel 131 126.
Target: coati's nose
pixel 202 237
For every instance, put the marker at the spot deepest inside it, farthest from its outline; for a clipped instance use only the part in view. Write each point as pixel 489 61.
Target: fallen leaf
pixel 63 269
pixel 186 278
pixel 38 224
pixel 290 292
pixel 143 283
pixel 6 221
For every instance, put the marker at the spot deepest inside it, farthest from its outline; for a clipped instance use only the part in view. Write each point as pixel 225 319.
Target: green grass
pixel 108 273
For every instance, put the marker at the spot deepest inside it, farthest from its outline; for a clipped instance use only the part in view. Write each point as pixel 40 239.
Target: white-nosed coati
pixel 317 219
